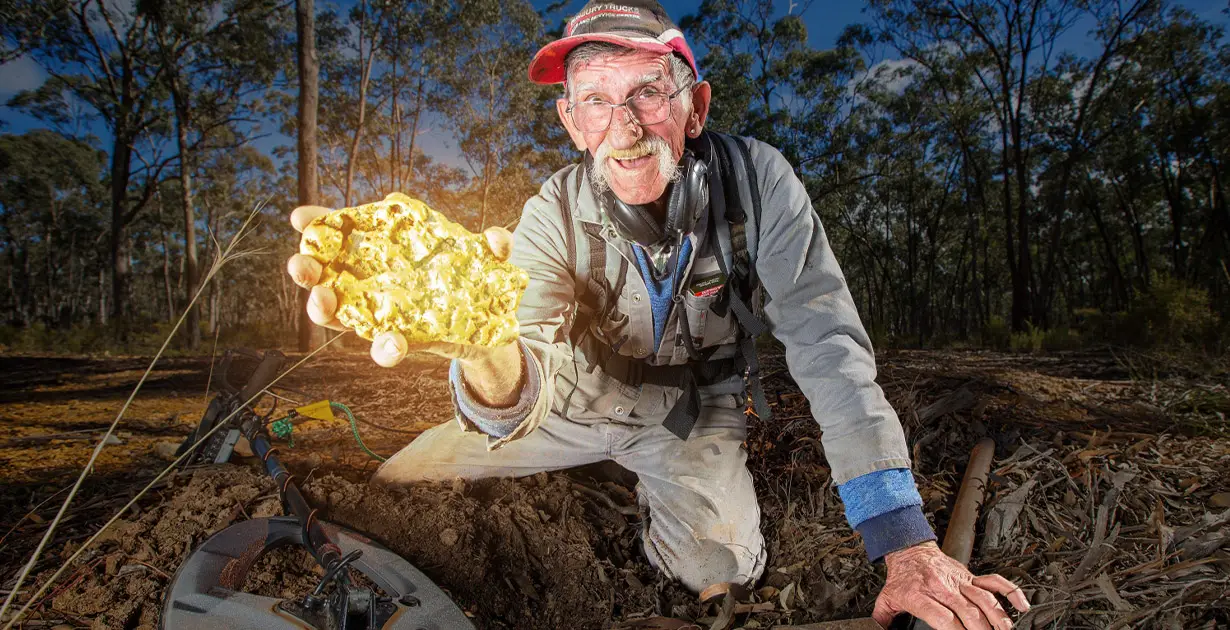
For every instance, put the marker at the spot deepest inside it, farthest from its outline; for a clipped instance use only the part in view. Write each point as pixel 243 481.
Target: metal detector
pixel 206 590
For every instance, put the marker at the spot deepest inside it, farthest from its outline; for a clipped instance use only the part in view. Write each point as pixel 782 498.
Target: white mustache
pixel 649 145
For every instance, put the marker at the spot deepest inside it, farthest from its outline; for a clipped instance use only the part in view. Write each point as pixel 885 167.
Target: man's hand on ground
pixel 388 349
pixel 928 584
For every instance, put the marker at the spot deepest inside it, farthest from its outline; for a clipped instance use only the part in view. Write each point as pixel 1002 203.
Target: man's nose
pixel 624 130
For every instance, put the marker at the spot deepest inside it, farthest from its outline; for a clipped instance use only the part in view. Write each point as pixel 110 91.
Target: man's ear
pixel 578 138
pixel 701 94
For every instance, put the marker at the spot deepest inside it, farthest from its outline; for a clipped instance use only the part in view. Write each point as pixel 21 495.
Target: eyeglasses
pixel 646 108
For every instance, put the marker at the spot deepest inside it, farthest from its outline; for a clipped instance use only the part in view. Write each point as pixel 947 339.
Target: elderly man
pixel 636 332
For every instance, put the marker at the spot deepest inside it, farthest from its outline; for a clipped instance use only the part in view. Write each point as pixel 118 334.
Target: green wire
pixel 283 429
pixel 354 427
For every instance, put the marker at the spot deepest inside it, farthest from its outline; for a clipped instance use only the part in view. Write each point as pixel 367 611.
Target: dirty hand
pixel 389 348
pixel 928 584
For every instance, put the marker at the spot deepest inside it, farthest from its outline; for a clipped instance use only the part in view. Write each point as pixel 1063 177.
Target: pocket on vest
pixel 707 328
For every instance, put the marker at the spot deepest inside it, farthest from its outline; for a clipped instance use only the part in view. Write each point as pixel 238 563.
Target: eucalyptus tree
pixel 413 45
pixel 1011 53
pixel 491 106
pixel 770 83
pixel 51 218
pixel 104 57
pixel 218 59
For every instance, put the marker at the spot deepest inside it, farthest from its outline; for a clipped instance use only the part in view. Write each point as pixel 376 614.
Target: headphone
pixel 689 196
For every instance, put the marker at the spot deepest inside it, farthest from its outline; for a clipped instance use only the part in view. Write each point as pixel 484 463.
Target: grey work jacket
pixel 808 308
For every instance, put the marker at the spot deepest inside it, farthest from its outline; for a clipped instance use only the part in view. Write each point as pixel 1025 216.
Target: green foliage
pixel 880 338
pixel 1172 315
pixel 1030 340
pixel 147 339
pixel 1176 314
pixel 996 334
pixel 1060 339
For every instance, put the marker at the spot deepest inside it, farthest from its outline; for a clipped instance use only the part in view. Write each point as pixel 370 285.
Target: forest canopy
pixel 1021 172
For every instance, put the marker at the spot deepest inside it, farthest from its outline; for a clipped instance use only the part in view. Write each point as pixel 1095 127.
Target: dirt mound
pixel 516 553
pixel 119 583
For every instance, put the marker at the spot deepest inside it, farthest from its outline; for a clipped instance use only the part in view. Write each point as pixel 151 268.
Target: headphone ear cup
pixel 698 197
pixel 681 211
pixel 689 196
pixel 676 206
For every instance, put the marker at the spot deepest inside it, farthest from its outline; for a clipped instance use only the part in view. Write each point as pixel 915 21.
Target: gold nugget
pixel 399 265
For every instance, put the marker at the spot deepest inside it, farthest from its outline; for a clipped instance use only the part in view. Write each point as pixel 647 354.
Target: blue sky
pixel 825 20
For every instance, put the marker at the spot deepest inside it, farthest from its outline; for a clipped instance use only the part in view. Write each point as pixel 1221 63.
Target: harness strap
pixel 684 415
pixel 743 278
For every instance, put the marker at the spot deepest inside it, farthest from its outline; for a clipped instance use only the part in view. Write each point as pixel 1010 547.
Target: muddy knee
pixel 696 563
pixel 401 470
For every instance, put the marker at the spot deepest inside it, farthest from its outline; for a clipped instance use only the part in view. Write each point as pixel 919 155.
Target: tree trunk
pixel 74 280
pixel 1118 288
pixel 215 303
pixel 482 213
pixel 191 268
pixel 353 156
pixel 15 284
pixel 395 110
pixel 309 87
pixel 1173 189
pixel 414 125
pixel 121 153
pixel 102 297
pixel 166 264
pixel 52 311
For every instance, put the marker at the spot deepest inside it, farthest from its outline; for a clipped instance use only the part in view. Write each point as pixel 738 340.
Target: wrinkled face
pixel 637 162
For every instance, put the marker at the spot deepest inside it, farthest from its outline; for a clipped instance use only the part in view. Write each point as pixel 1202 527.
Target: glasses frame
pixel 670 101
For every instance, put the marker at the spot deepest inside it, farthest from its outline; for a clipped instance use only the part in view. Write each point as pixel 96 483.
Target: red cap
pixel 640 24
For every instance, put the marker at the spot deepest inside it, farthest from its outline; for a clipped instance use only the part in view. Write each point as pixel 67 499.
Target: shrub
pixel 996 334
pixel 1028 341
pixel 1172 314
pixel 1062 338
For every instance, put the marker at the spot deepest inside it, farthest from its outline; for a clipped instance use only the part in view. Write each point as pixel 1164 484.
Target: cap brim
pixel 548 65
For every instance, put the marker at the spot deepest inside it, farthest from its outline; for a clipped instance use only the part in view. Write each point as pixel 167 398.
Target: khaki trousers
pixel 704 521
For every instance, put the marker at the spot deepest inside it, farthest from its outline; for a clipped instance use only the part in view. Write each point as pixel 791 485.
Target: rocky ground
pixel 1109 496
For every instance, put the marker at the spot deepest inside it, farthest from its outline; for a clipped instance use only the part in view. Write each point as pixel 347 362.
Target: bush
pixel 996 334
pixel 1062 338
pixel 37 337
pixel 143 337
pixel 1173 313
pixel 1028 341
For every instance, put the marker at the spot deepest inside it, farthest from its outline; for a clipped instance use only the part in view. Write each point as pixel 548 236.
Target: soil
pixel 1080 433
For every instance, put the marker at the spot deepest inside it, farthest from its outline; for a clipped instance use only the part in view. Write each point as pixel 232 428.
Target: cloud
pixel 895 75
pixel 19 75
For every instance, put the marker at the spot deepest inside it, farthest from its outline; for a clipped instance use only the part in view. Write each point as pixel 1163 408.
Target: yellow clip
pixel 319 410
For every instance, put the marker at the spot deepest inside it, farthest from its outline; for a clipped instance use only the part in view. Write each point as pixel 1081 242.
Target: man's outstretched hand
pixel 389 348
pixel 933 587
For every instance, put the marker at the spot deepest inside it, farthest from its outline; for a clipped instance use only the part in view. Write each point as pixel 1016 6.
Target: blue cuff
pixel 495 421
pixel 894 531
pixel 880 492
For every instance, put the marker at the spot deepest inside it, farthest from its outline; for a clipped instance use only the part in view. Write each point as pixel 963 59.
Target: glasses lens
pixel 591 116
pixel 650 109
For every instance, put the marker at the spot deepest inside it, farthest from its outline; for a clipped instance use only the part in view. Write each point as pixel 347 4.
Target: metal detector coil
pixel 206 592
pixel 205 595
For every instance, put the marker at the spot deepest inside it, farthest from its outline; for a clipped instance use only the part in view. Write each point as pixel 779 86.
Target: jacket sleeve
pixel 545 315
pixel 810 310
